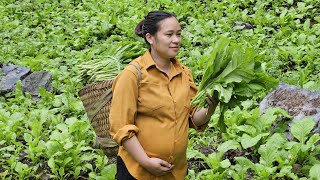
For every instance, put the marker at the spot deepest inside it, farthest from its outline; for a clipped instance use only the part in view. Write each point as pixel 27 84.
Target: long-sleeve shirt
pixel 157 112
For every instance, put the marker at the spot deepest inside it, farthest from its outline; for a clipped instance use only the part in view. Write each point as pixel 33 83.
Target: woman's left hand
pixel 212 103
pixel 204 114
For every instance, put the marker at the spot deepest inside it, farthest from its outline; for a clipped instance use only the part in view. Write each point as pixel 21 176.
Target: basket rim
pixel 94 86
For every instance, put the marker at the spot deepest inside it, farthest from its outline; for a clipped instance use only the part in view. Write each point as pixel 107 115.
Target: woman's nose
pixel 176 39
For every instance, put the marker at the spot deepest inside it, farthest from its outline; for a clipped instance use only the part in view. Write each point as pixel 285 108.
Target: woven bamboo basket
pixel 96 99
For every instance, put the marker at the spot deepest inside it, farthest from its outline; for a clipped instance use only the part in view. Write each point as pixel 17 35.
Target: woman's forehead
pixel 169 24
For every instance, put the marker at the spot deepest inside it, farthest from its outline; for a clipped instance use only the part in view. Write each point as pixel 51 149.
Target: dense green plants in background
pixel 52 138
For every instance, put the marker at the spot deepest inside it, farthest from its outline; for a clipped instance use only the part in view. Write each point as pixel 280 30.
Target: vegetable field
pixel 74 39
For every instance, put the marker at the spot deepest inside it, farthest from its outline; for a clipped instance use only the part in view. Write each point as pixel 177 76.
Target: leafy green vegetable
pixel 110 64
pixel 315 172
pixel 247 141
pixel 234 73
pixel 301 129
pixel 228 145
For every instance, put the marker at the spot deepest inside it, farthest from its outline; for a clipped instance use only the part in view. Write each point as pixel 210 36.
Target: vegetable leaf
pixel 301 129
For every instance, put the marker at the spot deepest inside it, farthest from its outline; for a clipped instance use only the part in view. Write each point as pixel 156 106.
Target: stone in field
pixel 297 101
pixel 31 81
pixel 34 81
pixel 10 75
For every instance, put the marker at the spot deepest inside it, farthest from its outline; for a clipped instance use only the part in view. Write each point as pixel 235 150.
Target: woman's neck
pixel 163 64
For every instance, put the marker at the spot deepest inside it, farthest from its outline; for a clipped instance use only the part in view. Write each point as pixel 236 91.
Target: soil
pixel 199 165
pixel 112 160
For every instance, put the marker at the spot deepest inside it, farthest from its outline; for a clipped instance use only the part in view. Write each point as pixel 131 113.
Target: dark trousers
pixel 122 171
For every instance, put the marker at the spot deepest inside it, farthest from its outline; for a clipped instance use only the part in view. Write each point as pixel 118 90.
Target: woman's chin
pixel 173 54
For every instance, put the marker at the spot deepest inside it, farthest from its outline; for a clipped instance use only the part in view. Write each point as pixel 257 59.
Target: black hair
pixel 150 24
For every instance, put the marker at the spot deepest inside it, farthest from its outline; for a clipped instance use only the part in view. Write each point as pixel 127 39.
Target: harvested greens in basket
pixel 98 74
pixel 108 64
pixel 234 73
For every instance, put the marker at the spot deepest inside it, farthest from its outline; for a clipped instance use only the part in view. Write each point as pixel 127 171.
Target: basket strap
pixel 138 70
pixel 100 103
pixel 108 95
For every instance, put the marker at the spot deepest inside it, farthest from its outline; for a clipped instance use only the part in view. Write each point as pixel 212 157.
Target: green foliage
pixel 113 61
pixel 276 156
pixel 52 138
pixel 301 129
pixel 315 172
pixel 233 74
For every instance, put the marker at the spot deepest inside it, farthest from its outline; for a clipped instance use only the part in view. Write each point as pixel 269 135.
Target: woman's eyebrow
pixel 173 30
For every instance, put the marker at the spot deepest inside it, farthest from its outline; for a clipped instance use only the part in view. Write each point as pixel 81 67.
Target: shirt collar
pixel 176 67
pixel 147 58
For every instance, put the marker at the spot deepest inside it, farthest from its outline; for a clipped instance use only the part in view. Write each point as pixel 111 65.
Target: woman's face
pixel 166 42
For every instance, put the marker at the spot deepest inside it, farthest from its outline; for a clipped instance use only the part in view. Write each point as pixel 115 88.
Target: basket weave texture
pixel 90 95
pixel 96 99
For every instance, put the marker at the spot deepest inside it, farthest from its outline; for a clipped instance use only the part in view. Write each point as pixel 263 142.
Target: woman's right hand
pixel 155 166
pixel 158 167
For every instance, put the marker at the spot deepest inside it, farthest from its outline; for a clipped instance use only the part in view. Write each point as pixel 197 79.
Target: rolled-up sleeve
pixel 124 105
pixel 192 94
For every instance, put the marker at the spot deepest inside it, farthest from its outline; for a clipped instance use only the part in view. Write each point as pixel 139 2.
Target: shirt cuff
pixel 126 132
pixel 192 125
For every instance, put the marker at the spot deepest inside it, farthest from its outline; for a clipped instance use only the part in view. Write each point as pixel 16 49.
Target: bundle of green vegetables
pixel 108 65
pixel 234 74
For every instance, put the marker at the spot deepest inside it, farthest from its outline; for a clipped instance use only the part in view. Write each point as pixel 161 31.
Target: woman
pixel 150 118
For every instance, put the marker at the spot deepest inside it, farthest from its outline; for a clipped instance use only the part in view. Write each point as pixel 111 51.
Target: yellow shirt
pixel 158 112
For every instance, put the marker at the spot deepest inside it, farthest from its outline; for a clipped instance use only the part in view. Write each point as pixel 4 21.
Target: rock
pixel 34 81
pixel 11 74
pixel 297 101
pixel 239 23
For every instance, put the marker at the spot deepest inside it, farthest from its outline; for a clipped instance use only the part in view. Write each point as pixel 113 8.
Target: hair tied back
pixel 139 29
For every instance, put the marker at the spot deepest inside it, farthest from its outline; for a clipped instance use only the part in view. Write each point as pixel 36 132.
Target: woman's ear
pixel 149 38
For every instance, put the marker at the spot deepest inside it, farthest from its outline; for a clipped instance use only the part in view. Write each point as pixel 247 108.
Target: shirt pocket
pixel 151 97
pixel 183 99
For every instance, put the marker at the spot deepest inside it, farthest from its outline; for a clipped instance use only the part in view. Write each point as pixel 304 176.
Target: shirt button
pixel 174 101
pixel 175 141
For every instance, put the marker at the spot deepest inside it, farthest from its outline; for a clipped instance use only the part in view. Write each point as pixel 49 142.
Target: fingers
pixel 165 170
pixel 210 100
pixel 159 167
pixel 165 164
pixel 165 167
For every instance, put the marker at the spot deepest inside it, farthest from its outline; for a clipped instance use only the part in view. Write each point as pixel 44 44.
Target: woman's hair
pixel 150 24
